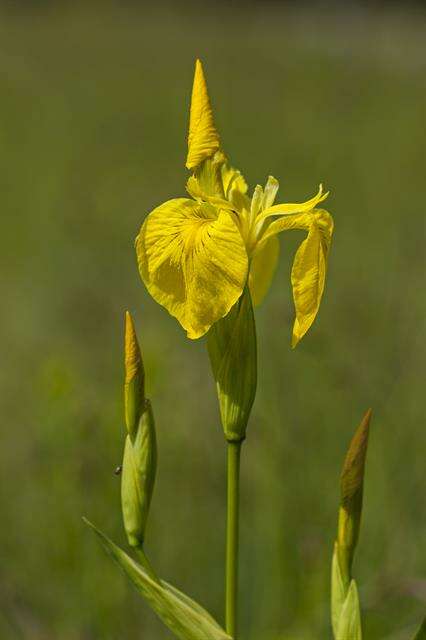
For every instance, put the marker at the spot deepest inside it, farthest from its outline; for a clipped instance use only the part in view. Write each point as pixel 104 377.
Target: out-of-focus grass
pixel 93 113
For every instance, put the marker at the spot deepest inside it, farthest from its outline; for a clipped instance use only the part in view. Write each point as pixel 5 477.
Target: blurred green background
pixel 93 114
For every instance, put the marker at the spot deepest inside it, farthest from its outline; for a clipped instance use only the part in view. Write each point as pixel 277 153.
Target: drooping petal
pixel 291 221
pixel 310 263
pixel 294 207
pixel 262 269
pixel 203 139
pixel 308 274
pixel 193 261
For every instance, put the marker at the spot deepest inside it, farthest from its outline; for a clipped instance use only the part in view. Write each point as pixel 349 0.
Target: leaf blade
pixel 421 633
pixel 183 616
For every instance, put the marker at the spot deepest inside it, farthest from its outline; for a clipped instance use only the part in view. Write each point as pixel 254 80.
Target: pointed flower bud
pixel 351 485
pixel 140 451
pixel 203 139
pixel 233 357
pixel 345 609
pixel 134 386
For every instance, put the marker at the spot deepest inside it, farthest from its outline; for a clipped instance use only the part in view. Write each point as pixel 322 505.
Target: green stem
pixel 234 450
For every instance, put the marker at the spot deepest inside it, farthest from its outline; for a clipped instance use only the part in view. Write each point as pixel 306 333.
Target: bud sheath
pixel 233 357
pixel 138 477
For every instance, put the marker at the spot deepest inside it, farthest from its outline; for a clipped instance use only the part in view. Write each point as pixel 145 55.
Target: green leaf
pixel 421 633
pixel 190 603
pixel 184 617
pixel 349 627
pixel 337 592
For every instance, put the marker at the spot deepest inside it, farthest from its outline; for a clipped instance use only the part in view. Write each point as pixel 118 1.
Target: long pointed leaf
pixel 184 617
pixel 197 608
pixel 421 633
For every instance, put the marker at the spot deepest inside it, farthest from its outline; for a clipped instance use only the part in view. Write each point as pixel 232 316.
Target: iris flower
pixel 196 255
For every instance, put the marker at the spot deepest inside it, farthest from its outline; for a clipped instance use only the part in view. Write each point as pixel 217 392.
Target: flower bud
pixel 351 485
pixel 140 451
pixel 134 386
pixel 233 357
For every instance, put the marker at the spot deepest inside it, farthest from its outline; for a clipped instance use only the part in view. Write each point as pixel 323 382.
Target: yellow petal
pixel 233 180
pixel 310 263
pixel 270 191
pixel 193 261
pixel 256 202
pixel 240 201
pixel 203 139
pixel 294 221
pixel 294 207
pixel 262 269
pixel 206 183
pixel 308 275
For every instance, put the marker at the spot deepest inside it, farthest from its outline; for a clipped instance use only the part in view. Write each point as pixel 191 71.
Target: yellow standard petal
pixel 203 139
pixel 193 261
pixel 262 269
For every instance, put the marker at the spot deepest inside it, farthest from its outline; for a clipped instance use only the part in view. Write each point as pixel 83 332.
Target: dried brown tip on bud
pixel 132 355
pixel 352 477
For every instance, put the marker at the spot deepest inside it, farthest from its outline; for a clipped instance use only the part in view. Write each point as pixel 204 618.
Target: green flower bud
pixel 138 477
pixel 140 451
pixel 351 485
pixel 233 356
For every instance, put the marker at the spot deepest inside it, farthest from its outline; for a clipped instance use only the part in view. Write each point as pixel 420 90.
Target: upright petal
pixel 270 191
pixel 233 179
pixel 256 202
pixel 203 139
pixel 193 261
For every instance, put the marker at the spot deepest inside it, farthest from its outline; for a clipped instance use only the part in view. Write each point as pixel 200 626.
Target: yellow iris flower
pixel 197 254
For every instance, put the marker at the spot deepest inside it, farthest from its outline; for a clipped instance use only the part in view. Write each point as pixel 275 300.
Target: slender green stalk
pixel 234 450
